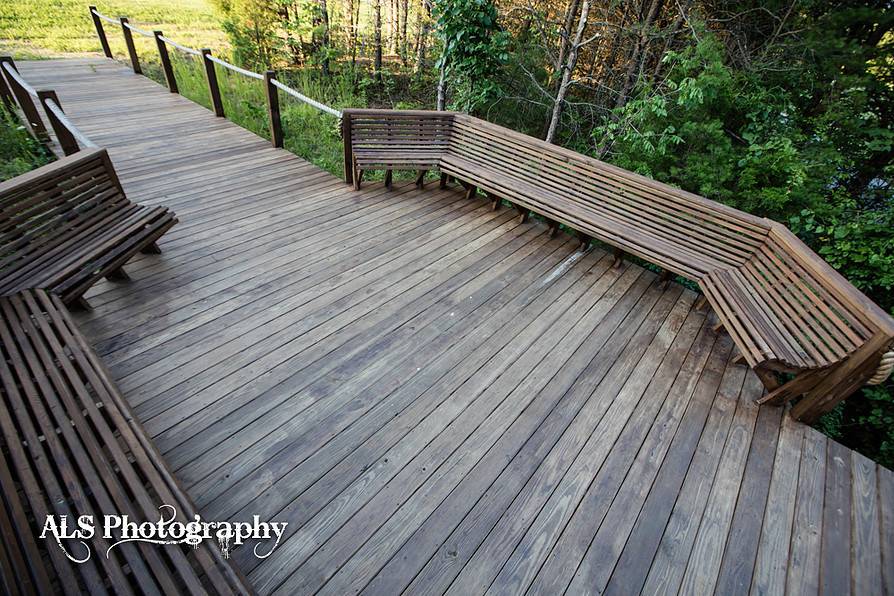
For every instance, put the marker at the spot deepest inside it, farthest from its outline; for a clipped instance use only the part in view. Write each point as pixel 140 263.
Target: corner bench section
pixel 68 224
pixel 70 446
pixel 788 312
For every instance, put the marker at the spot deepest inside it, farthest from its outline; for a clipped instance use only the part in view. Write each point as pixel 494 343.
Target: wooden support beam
pixel 767 377
pixel 26 103
pixel 5 93
pixel 348 148
pixel 618 254
pixel 131 48
pixel 165 62
pixel 100 32
pixel 213 85
pixel 118 274
pixel 273 109
pixel 66 140
pixel 420 178
pixel 388 174
pixel 151 249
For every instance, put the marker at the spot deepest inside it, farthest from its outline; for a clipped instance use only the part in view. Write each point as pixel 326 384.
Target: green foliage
pixel 815 154
pixel 40 29
pixel 474 50
pixel 19 151
pixel 251 26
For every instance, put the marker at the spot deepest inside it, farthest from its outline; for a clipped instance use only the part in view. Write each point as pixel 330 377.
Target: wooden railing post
pixel 131 49
pixel 349 153
pixel 165 62
pixel 25 102
pixel 213 86
pixel 273 109
pixel 5 93
pixel 100 32
pixel 66 140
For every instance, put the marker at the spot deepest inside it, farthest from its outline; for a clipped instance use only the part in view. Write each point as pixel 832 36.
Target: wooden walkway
pixel 440 399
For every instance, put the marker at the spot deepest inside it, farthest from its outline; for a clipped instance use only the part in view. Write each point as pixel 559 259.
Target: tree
pixel 567 69
pixel 474 48
pixel 377 40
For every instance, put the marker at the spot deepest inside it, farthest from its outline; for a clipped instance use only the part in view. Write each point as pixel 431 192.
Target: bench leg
pixel 663 279
pixel 443 183
pixel 800 385
pixel 471 191
pixel 584 240
pixel 420 178
pixel 151 249
pixel 495 202
pixel 553 228
pixel 358 177
pixel 718 326
pixel 388 179
pixel 768 378
pixel 619 256
pixel 80 303
pixel 118 274
pixel 701 303
pixel 524 215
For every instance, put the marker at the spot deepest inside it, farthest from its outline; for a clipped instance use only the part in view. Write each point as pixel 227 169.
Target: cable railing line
pixel 63 119
pixel 182 48
pixel 142 32
pixel 12 72
pixel 311 102
pixel 105 18
pixel 68 137
pixel 235 68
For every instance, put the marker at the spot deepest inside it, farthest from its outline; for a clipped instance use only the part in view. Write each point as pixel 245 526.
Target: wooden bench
pixel 68 224
pixel 71 446
pixel 788 312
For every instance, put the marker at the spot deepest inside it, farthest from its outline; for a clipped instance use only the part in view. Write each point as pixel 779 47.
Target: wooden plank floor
pixel 440 399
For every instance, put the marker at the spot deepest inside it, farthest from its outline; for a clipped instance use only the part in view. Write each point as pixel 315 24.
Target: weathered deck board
pixel 439 398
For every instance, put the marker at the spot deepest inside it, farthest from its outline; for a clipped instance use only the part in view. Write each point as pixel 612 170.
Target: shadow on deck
pixel 439 398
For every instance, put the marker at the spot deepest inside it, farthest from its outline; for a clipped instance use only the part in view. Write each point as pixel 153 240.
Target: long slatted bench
pixel 786 309
pixel 70 446
pixel 68 224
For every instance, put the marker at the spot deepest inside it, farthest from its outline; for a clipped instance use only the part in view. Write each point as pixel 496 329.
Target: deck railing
pixel 14 90
pixel 272 85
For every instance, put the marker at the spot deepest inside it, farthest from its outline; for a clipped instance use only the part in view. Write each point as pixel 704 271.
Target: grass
pixel 48 28
pixel 19 151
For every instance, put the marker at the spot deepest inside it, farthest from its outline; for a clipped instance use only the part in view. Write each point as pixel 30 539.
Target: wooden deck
pixel 440 399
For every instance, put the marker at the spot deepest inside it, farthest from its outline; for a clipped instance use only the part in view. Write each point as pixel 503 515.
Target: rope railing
pixel 182 48
pixel 69 138
pixel 12 72
pixel 235 68
pixel 104 17
pixel 208 60
pixel 311 102
pixel 80 137
pixel 137 30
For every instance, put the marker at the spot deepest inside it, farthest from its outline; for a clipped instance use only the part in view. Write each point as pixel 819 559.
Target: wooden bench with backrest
pixel 70 445
pixel 68 224
pixel 786 309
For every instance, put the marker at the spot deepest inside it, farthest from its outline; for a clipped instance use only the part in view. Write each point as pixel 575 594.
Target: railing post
pixel 25 102
pixel 66 140
pixel 165 62
pixel 349 153
pixel 100 32
pixel 5 93
pixel 131 49
pixel 273 109
pixel 213 86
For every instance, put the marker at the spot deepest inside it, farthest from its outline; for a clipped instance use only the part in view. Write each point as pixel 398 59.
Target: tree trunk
pixel 636 55
pixel 402 42
pixel 567 71
pixel 348 7
pixel 564 36
pixel 377 37
pixel 442 82
pixel 324 24
pixel 425 26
